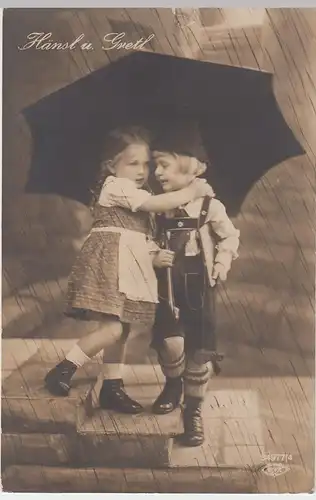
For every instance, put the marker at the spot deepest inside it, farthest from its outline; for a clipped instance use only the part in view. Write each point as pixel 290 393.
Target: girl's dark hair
pixel 115 143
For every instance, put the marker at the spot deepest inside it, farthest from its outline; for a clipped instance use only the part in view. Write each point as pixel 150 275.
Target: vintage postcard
pixel 158 250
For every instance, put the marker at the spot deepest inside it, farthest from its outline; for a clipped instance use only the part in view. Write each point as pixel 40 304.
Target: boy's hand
pixel 219 272
pixel 201 188
pixel 164 258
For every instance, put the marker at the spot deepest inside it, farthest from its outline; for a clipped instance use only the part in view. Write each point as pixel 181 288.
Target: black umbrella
pixel 242 128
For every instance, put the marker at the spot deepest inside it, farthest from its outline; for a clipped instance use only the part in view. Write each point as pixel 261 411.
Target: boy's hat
pixel 181 137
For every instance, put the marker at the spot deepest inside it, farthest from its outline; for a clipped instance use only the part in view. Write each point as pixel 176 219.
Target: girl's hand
pixel 219 272
pixel 201 188
pixel 164 258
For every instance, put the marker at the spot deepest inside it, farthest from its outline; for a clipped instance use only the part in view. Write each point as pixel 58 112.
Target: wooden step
pixel 87 436
pixel 108 438
pixel 144 440
pixel 131 480
pixel 28 407
pixel 118 440
pixel 38 448
pixel 128 480
pixel 233 432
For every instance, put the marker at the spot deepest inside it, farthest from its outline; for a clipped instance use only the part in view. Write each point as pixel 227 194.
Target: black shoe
pixel 57 380
pixel 113 397
pixel 193 423
pixel 170 397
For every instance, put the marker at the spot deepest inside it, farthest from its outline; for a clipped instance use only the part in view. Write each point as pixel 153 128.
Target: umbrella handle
pixel 172 305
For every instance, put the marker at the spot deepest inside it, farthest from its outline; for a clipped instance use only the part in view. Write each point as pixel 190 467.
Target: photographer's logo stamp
pixel 276 464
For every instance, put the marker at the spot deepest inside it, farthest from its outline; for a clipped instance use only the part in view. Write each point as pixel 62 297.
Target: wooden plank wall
pixel 269 299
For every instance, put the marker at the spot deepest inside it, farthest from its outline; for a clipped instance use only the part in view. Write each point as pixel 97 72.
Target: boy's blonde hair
pixel 191 165
pixel 187 164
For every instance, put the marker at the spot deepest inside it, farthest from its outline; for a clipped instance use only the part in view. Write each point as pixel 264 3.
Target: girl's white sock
pixel 77 356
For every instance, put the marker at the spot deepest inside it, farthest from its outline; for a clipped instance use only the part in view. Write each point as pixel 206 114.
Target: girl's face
pixel 169 173
pixel 133 164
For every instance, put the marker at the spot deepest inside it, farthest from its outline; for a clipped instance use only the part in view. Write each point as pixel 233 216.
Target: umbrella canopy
pixel 241 126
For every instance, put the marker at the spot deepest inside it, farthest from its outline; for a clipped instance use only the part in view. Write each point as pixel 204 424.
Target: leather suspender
pixel 201 221
pixel 204 211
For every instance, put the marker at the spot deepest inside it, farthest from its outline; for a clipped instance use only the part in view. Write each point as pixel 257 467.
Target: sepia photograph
pixel 158 250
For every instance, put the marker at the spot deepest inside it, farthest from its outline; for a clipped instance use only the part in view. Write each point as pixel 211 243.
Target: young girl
pixel 113 281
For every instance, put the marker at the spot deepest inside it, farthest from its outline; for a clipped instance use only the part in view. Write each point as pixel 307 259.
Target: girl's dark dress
pixel 94 283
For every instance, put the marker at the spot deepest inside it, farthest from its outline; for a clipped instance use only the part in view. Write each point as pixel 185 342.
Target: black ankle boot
pixel 57 380
pixel 192 422
pixel 113 397
pixel 170 397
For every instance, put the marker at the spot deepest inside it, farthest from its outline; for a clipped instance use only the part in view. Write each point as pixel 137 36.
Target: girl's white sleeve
pixel 123 193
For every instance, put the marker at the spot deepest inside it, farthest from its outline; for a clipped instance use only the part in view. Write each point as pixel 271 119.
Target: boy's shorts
pixel 195 300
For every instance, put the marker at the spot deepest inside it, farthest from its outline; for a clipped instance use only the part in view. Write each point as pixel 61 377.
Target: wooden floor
pixel 247 419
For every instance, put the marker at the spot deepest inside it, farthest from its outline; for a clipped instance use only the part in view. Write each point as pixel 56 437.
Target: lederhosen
pixel 193 295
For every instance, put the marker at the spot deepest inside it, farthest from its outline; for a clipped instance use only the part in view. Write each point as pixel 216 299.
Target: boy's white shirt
pixel 227 246
pixel 124 193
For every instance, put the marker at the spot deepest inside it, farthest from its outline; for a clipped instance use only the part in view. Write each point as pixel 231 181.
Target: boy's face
pixel 169 173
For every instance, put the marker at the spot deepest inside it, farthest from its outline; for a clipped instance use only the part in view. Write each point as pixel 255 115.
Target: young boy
pixel 205 242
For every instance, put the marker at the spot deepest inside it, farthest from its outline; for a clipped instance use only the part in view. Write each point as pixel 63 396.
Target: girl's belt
pixel 115 229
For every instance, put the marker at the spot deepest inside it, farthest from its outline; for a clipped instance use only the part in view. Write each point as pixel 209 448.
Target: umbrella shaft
pixel 173 307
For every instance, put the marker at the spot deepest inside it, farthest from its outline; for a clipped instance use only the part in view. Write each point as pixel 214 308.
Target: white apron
pixel 137 278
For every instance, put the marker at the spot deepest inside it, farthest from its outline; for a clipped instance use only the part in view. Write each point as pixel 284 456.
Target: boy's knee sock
pixel 77 356
pixel 196 377
pixel 171 357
